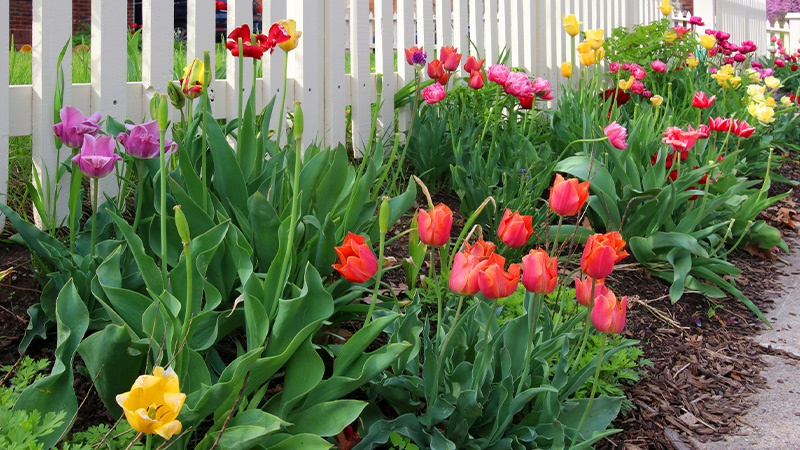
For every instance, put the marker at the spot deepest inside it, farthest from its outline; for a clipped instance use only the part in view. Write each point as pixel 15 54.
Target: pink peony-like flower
pixel 518 84
pixel 434 93
pixel 499 74
pixel 541 88
pixel 659 66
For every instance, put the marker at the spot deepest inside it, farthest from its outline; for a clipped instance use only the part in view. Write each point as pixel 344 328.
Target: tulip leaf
pixel 264 219
pixel 246 152
pixel 326 419
pixel 228 178
pixel 305 441
pixel 304 371
pixel 358 343
pixel 147 266
pixel 55 393
pixel 681 261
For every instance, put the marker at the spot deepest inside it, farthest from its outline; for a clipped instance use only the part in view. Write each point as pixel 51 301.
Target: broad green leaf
pixel 326 419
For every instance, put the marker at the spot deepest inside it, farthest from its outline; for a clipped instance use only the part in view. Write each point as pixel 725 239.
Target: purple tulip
pixel 74 126
pixel 143 142
pixel 97 157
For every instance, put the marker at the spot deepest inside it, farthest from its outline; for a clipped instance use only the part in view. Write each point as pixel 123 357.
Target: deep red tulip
pixel 526 101
pixel 515 229
pixel 719 124
pixel 602 251
pixel 743 129
pixel 357 263
pixel 434 226
pixel 494 281
pixel 567 197
pixel 476 80
pixel 539 272
pixel 701 101
pixel 249 50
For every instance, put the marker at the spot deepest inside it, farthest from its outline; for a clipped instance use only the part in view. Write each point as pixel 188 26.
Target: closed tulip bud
pixel 182 225
pixel 357 262
pixel 587 59
pixel 476 80
pixel 602 251
pixel 583 290
pixel 708 41
pixel 176 97
pixel 379 83
pixel 206 68
pixel 154 101
pixel 571 25
pixel 566 69
pixel 435 69
pixel 608 314
pixel 192 82
pixel 515 229
pixel 567 197
pixel 298 120
pixel 539 272
pixel 434 226
pixel 163 113
pixel 383 215
pixel 494 281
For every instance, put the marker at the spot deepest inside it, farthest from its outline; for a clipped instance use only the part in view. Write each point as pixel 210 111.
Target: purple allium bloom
pixel 419 58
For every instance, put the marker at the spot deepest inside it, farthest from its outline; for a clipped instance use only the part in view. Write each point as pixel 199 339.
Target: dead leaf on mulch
pixel 755 250
pixel 784 215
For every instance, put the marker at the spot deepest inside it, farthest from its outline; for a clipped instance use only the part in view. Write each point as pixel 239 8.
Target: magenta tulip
pixel 97 158
pixel 74 126
pixel 143 142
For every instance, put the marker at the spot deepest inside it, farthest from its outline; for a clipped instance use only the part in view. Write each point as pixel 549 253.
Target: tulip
pixel 539 272
pixel 708 42
pixel 764 113
pixel 613 67
pixel 144 141
pixel 626 84
pixel 584 47
pixel 515 229
pixel 566 69
pixel 518 84
pixel 701 101
pixel 595 38
pixel 192 81
pixel 476 80
pixel 473 64
pixel 638 73
pixel 666 8
pixel 499 74
pixel 97 157
pixel 541 88
pixel 583 290
pixel 659 66
pixel 602 251
pixel 435 69
pixel 608 314
pixel 153 403
pixel 657 100
pixel 481 248
pixel 772 82
pixel 464 277
pixel 74 126
pixel 451 59
pixel 704 131
pixel 444 78
pixel 434 226
pixel 719 124
pixel 669 36
pixel 694 20
pixel 249 50
pixel 567 197
pixel 526 101
pixel 290 28
pixel 571 25
pixel 692 61
pixel 680 140
pixel 617 134
pixel 743 129
pixel 434 93
pixel 410 52
pixel 637 87
pixel 587 59
pixel 357 263
pixel 494 281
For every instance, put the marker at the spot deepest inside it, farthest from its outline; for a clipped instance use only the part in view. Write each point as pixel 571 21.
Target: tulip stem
pixel 594 390
pixel 94 216
pixel 434 282
pixel 74 205
pixel 585 334
pixel 148 442
pixel 485 350
pixel 139 194
pixel 534 315
pixel 491 110
pixel 163 168
pixel 378 274
pixel 408 137
pixel 283 100
pixel 187 316
pixel 440 362
pixel 239 86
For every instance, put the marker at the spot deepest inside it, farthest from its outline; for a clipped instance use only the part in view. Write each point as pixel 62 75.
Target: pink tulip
pixel 476 79
pixel 97 157
pixel 434 226
pixel 617 134
pixel 659 66
pixel 74 126
pixel 464 277
pixel 515 229
pixel 434 93
pixel 144 141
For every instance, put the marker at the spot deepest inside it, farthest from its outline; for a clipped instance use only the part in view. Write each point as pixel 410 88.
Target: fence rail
pixel 531 30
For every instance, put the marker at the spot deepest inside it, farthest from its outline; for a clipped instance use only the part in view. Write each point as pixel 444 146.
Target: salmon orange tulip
pixel 494 281
pixel 539 272
pixel 357 263
pixel 567 197
pixel 515 229
pixel 608 314
pixel 602 251
pixel 434 226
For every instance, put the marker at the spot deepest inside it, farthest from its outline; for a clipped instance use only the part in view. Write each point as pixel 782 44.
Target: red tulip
pixel 451 59
pixel 249 50
pixel 435 69
pixel 515 229
pixel 583 290
pixel 278 34
pixel 444 78
pixel 464 277
pixel 476 80
pixel 567 197
pixel 434 226
pixel 743 129
pixel 679 139
pixel 602 251
pixel 494 281
pixel 701 101
pixel 608 314
pixel 719 124
pixel 357 263
pixel 473 64
pixel 705 131
pixel 539 272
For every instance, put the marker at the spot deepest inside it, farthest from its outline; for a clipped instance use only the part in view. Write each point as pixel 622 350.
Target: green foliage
pixel 645 43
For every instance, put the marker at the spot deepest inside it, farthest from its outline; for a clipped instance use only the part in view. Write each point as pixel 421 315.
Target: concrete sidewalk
pixel 774 424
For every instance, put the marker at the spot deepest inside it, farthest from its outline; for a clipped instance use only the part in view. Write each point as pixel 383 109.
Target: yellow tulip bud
pixel 566 69
pixel 657 100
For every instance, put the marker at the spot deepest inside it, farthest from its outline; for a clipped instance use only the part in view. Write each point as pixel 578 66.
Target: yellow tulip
pixel 566 69
pixel 758 98
pixel 600 54
pixel 764 113
pixel 666 8
pixel 153 403
pixel 587 59
pixel 734 81
pixel 657 100
pixel 670 37
pixel 692 61
pixel 772 82
pixel 584 47
pixel 595 38
pixel 755 89
pixel 291 28
pixel 786 101
pixel 193 77
pixel 771 101
pixel 571 25
pixel 708 41
pixel 625 85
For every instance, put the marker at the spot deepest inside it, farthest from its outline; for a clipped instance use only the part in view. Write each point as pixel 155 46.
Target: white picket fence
pixel 530 29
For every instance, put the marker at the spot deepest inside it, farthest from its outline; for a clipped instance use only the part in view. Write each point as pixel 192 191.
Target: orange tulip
pixel 464 277
pixel 494 281
pixel 435 69
pixel 583 290
pixel 434 226
pixel 450 57
pixel 357 263
pixel 480 248
pixel 539 272
pixel 567 197
pixel 608 314
pixel 515 229
pixel 473 64
pixel 602 251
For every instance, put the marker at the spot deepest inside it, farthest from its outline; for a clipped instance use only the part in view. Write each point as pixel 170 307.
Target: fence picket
pixel 157 65
pixel 384 61
pixel 504 27
pixel 52 28
pixel 309 84
pixel 444 23
pixel 425 23
pixel 517 43
pixel 4 94
pixel 200 30
pixel 335 103
pixel 460 30
pixel 108 83
pixel 240 12
pixel 405 39
pixel 492 50
pixel 476 28
pixel 360 84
